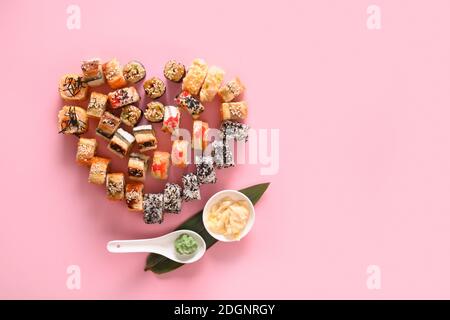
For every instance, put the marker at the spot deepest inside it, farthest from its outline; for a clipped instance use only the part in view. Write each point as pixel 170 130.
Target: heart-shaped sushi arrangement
pixel 120 126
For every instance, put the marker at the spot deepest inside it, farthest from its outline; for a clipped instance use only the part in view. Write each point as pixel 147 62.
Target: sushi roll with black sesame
pixel 205 170
pixel 121 142
pixel 191 187
pixel 153 208
pixel 134 71
pixel 190 103
pixel 234 130
pixel 172 198
pixel 93 72
pixel 222 154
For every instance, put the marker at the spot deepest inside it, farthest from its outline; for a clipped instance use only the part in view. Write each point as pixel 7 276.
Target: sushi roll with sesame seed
pixel 115 186
pixel 154 87
pixel 93 72
pixel 174 71
pixel 153 208
pixel 234 110
pixel 211 85
pixel 195 76
pixel 134 71
pixel 154 111
pixel 121 142
pixel 86 151
pixel 191 187
pixel 122 97
pixel 130 115
pixel 98 170
pixel 172 198
pixel 114 74
pixel 231 90
pixel 72 87
pixel 134 196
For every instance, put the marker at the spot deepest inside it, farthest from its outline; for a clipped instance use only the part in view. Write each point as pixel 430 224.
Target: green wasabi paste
pixel 185 244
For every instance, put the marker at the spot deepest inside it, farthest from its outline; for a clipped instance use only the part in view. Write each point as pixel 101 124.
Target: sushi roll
pixel 114 74
pixel 98 170
pixel 115 186
pixel 234 110
pixel 190 103
pixel 212 83
pixel 72 120
pixel 134 196
pixel 231 90
pixel 180 153
pixel 145 137
pixel 154 87
pixel 97 105
pixel 172 198
pixel 107 125
pixel 123 97
pixel 199 133
pixel 137 166
pixel 195 76
pixel 130 115
pixel 174 71
pixel 153 208
pixel 154 111
pixel 121 142
pixel 205 170
pixel 93 72
pixel 191 187
pixel 234 130
pixel 86 151
pixel 72 87
pixel 160 165
pixel 171 120
pixel 134 72
pixel 222 154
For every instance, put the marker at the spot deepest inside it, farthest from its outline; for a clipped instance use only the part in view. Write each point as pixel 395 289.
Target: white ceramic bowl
pixel 235 195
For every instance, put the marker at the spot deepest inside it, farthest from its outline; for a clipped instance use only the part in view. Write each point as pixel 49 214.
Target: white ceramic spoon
pixel 164 245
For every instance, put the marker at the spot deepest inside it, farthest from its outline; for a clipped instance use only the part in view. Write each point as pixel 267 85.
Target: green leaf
pixel 160 264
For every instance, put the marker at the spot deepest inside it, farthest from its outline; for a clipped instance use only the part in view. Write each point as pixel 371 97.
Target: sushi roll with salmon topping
pixel 134 196
pixel 114 74
pixel 180 153
pixel 93 72
pixel 160 165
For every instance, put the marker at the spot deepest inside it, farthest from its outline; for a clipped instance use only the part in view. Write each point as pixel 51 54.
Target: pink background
pixel 365 163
